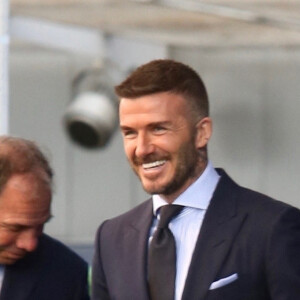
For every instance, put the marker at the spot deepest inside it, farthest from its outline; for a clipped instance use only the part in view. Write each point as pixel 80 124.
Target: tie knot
pixel 167 213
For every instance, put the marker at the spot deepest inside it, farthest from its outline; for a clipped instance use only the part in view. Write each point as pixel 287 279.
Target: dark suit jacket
pixel 243 233
pixel 52 272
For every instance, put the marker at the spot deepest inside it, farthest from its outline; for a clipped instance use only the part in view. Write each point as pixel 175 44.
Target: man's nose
pixel 27 240
pixel 144 145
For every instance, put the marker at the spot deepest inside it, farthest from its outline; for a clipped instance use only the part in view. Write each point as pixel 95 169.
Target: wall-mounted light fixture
pixel 91 117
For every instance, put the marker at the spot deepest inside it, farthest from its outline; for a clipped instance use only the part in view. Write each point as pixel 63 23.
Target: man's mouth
pixel 153 164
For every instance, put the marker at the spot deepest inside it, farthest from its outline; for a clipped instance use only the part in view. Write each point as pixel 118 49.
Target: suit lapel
pixel 137 240
pixel 220 226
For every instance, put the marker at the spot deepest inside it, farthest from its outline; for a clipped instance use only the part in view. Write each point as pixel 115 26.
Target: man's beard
pixel 187 166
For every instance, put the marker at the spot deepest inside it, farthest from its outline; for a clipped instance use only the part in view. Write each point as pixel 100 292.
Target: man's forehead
pixel 26 220
pixel 27 181
pixel 22 193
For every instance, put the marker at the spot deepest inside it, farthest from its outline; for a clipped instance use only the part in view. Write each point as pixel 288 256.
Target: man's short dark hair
pixel 20 156
pixel 165 75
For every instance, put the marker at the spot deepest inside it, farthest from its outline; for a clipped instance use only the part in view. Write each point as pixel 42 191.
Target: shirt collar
pixel 197 195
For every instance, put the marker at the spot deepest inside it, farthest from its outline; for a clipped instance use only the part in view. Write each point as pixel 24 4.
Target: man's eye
pixel 129 134
pixel 159 129
pixel 14 228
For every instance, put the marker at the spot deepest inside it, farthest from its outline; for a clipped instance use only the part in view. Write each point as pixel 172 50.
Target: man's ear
pixel 203 132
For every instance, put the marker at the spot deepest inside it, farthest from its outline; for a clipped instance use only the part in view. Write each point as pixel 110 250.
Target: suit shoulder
pixel 52 247
pixel 259 201
pixel 264 210
pixel 248 199
pixel 133 213
pixel 138 215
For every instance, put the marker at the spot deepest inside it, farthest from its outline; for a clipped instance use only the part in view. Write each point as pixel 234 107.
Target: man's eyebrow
pixel 124 127
pixel 11 225
pixel 161 123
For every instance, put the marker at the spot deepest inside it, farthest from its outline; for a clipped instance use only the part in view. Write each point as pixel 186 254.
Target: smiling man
pixel 162 144
pixel 200 236
pixel 33 265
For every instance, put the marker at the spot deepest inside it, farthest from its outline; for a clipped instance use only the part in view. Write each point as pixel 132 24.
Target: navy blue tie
pixel 162 257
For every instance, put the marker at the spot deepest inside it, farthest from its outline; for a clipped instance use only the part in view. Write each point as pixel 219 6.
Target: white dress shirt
pixel 186 226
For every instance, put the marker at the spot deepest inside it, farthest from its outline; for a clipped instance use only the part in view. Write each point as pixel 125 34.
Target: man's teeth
pixel 154 164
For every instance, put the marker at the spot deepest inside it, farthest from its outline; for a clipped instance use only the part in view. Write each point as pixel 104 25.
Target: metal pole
pixel 4 46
